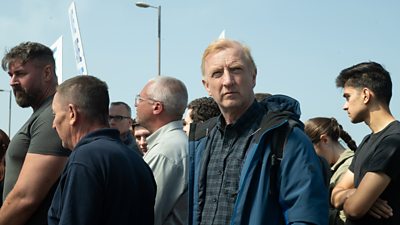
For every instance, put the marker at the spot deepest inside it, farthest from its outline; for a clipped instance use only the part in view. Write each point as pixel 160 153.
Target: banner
pixel 77 40
pixel 57 49
pixel 222 35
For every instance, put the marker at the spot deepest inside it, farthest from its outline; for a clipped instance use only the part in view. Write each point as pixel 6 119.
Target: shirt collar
pixel 245 121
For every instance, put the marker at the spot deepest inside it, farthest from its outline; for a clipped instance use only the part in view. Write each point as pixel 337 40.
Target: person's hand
pixel 381 209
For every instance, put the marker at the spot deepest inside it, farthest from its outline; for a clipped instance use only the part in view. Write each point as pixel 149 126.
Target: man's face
pixel 26 82
pixel 354 105
pixel 144 107
pixel 141 134
pixel 61 121
pixel 119 118
pixel 229 79
pixel 187 121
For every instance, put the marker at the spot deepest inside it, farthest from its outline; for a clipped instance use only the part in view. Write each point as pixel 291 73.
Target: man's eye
pixel 217 74
pixel 236 70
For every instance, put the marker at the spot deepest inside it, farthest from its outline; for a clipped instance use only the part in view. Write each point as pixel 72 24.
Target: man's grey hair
pixel 171 92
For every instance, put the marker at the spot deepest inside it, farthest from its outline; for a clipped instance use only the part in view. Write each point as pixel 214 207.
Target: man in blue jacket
pixel 230 167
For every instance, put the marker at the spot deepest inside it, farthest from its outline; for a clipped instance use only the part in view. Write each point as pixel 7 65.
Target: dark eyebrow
pixel 17 72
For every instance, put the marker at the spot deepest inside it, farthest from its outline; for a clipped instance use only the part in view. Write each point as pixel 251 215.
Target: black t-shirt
pixel 380 152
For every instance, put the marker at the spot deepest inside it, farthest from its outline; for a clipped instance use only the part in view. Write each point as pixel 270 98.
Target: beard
pixel 23 98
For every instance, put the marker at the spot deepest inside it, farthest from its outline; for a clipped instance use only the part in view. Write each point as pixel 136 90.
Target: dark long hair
pixel 317 126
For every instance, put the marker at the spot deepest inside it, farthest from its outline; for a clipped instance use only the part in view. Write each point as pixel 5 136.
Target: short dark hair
pixel 128 108
pixel 29 51
pixel 89 94
pixel 203 109
pixel 370 75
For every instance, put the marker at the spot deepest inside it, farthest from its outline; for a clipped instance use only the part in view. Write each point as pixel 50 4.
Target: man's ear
pixel 72 114
pixel 367 94
pixel 47 72
pixel 158 107
pixel 205 84
pixel 254 76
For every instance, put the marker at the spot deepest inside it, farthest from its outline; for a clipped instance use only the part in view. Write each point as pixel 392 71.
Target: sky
pixel 299 46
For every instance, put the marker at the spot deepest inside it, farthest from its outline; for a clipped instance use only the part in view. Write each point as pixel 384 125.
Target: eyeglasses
pixel 117 118
pixel 139 99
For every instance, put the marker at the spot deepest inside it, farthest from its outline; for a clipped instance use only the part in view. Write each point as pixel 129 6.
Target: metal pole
pixel 145 5
pixel 159 40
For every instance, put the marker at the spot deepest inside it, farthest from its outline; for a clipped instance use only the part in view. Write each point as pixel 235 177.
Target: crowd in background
pixel 235 157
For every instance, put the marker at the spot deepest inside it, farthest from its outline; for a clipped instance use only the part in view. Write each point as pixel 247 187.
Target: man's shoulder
pixel 394 128
pixel 172 145
pixel 97 148
pixel 389 135
pixel 170 135
pixel 175 142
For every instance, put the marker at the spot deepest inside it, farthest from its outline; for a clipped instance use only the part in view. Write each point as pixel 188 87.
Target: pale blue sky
pixel 298 46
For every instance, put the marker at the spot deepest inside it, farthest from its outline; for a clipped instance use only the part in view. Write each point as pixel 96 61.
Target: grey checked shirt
pixel 227 148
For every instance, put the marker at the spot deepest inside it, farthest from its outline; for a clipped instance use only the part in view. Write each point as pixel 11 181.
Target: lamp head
pixel 142 5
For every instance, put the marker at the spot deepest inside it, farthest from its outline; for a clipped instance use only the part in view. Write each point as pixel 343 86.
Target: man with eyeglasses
pixel 120 119
pixel 159 108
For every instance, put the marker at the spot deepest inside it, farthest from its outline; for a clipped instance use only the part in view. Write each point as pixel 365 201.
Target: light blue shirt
pixel 168 158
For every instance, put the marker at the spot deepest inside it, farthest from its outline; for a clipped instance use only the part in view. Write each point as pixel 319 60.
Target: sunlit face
pixel 354 105
pixel 25 80
pixel 187 121
pixel 141 134
pixel 144 107
pixel 228 78
pixel 61 121
pixel 119 118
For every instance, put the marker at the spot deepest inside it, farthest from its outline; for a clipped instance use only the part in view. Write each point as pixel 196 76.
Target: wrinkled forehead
pixel 224 57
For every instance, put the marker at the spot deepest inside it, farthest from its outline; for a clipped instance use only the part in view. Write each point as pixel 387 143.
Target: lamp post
pixel 9 111
pixel 145 5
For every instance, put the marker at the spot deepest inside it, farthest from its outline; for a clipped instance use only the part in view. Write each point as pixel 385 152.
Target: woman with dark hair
pixel 324 134
pixel 4 141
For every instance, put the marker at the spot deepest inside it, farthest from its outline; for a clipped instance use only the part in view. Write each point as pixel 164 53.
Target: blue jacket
pixel 301 196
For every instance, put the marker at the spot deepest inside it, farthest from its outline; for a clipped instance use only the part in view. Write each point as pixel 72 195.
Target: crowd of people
pixel 237 157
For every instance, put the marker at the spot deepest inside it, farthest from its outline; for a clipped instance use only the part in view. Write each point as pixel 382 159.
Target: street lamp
pixel 9 111
pixel 145 5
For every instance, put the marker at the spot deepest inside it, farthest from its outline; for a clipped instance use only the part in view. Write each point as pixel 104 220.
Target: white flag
pixel 222 35
pixel 57 49
pixel 77 40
